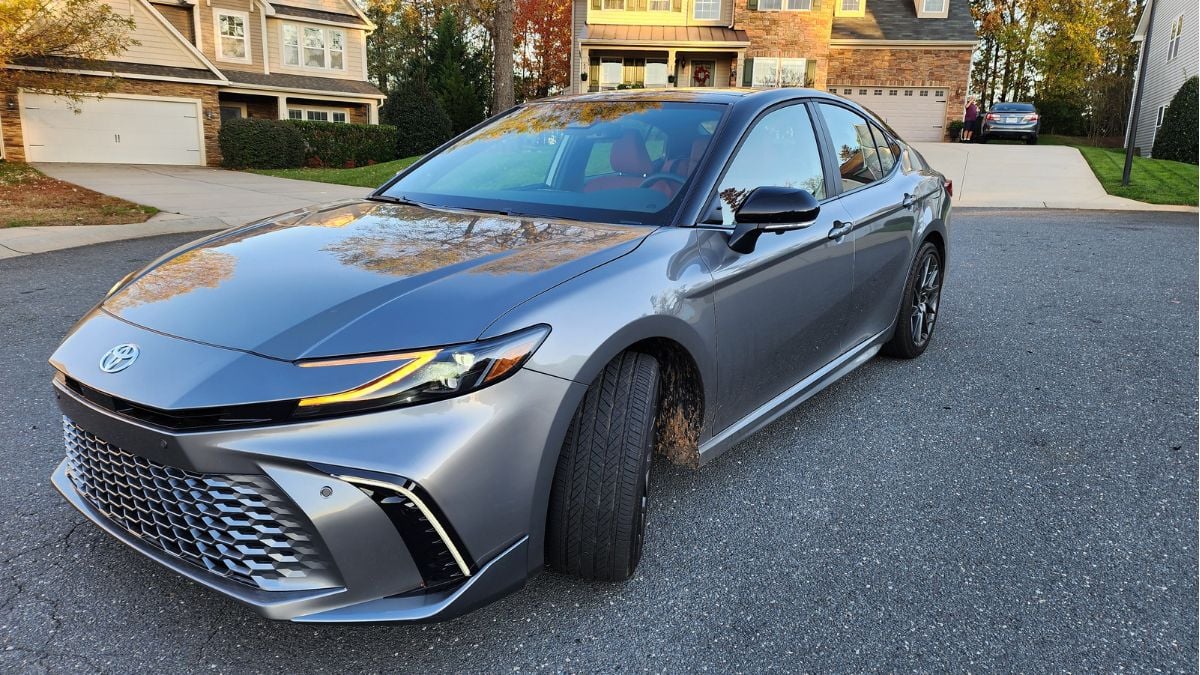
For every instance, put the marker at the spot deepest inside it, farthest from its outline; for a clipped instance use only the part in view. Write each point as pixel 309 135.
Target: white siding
pixel 158 46
pixel 355 67
pixel 1163 78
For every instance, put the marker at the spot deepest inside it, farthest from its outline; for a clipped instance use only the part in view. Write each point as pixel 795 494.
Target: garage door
pixel 112 130
pixel 917 114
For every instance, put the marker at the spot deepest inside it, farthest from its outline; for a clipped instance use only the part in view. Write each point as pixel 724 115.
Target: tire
pixel 597 519
pixel 982 139
pixel 921 294
pixel 1032 140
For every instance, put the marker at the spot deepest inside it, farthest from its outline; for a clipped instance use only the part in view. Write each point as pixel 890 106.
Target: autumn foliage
pixel 542 38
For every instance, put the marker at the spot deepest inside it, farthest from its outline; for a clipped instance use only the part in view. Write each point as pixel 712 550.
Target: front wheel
pixel 919 310
pixel 597 519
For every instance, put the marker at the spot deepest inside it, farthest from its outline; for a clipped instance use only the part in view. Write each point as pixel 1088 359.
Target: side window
pixel 853 145
pixel 887 148
pixel 781 150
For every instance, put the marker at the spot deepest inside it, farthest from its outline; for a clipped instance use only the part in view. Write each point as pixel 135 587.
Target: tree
pixel 455 73
pixel 542 39
pixel 55 34
pixel 1177 137
pixel 420 118
pixel 496 17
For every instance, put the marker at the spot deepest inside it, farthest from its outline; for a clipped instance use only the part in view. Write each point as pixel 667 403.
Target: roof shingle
pixel 897 20
pixel 309 82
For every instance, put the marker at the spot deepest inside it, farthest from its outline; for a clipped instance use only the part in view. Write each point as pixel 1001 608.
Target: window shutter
pixel 816 5
pixel 752 5
pixel 635 5
pixel 748 69
pixel 676 5
pixel 595 4
pixel 810 72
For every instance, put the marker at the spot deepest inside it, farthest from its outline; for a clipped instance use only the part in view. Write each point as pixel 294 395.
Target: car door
pixel 879 202
pixel 780 308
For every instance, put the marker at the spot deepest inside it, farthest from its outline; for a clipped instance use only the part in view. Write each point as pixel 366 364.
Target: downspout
pixel 1137 99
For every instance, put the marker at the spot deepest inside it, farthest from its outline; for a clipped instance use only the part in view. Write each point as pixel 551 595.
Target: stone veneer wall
pixel 900 67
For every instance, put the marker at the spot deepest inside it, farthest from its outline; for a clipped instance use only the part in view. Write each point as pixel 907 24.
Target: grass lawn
pixel 364 176
pixel 29 197
pixel 1156 181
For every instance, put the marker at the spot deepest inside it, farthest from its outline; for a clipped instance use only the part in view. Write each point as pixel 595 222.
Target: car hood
pixel 361 277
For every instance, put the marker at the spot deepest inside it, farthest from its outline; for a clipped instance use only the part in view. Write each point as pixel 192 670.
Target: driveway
pixel 1023 176
pixel 231 197
pixel 1021 498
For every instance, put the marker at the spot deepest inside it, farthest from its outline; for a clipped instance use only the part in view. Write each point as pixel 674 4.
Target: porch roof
pixel 666 36
pixel 302 83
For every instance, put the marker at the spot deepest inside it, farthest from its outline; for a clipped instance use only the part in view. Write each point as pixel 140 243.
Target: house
pixel 907 60
pixel 1170 61
pixel 198 63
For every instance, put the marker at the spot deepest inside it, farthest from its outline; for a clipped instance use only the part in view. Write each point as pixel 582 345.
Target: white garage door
pixel 916 113
pixel 112 130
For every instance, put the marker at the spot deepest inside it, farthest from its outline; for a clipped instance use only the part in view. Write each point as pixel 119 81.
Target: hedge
pixel 260 144
pixel 1177 137
pixel 420 120
pixel 345 145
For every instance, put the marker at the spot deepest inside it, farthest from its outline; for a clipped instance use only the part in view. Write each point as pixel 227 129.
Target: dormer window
pixel 706 10
pixel 934 6
pixel 313 47
pixel 850 8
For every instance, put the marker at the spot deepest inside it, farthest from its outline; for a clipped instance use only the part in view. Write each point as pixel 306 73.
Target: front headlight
pixel 427 375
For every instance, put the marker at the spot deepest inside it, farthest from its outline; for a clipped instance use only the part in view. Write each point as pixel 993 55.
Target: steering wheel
pixel 655 177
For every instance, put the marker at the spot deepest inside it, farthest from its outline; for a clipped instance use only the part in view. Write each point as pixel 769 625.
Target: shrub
pixel 420 120
pixel 955 129
pixel 1061 115
pixel 337 144
pixel 1177 137
pixel 260 144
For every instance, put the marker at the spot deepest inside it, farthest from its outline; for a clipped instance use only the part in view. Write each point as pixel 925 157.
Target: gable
pixel 158 45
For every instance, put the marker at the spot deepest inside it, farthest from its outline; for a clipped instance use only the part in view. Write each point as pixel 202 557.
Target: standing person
pixel 970 116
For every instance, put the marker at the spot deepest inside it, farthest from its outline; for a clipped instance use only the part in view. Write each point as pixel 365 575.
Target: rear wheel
pixel 919 311
pixel 1031 140
pixel 597 519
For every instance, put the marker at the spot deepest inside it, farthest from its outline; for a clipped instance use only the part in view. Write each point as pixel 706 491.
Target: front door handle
pixel 840 229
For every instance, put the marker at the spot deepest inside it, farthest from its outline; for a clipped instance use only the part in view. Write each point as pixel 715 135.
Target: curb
pixel 19 241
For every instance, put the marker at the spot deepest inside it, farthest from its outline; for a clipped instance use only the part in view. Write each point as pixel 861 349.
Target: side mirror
pixel 771 209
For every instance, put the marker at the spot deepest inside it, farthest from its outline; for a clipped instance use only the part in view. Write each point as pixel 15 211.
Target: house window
pixel 614 4
pixel 768 72
pixel 318 114
pixel 706 10
pixel 850 6
pixel 934 6
pixel 311 47
pixel 1162 113
pixel 659 5
pixel 791 5
pixel 232 43
pixel 1176 34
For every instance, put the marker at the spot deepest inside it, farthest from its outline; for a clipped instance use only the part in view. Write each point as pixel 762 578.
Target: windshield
pixel 602 161
pixel 1013 107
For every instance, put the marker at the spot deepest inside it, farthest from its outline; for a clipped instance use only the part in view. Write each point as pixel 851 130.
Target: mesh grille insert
pixel 238 526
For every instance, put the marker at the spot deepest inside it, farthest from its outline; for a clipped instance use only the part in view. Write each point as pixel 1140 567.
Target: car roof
pixel 690 95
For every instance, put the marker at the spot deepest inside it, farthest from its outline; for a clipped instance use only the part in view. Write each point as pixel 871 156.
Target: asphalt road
pixel 1022 498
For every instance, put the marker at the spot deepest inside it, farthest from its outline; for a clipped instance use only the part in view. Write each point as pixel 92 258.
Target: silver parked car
pixel 399 408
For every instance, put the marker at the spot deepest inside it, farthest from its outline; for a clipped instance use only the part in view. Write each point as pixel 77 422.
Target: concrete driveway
pixel 1023 176
pixel 230 197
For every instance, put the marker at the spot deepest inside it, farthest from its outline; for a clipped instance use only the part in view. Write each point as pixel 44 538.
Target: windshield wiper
pixel 389 199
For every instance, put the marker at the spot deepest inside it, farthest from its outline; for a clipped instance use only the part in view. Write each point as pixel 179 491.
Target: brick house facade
pixel 907 60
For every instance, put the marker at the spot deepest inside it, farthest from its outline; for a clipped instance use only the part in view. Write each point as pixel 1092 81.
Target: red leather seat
pixel 629 159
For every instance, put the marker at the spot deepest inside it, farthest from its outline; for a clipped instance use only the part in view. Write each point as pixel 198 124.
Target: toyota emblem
pixel 119 358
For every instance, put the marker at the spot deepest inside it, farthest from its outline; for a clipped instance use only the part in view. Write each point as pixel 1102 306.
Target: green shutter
pixel 747 70
pixel 752 5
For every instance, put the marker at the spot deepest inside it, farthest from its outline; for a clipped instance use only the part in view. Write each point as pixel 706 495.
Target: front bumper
pixel 480 464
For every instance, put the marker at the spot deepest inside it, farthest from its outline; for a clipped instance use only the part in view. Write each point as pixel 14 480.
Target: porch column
pixel 281 107
pixel 578 86
pixel 737 75
pixel 671 66
pixel 373 112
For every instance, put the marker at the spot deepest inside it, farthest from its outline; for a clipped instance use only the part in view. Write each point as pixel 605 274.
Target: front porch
pixel 637 57
pixel 280 105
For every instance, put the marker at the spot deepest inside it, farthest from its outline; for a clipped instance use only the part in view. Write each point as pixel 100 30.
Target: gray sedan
pixel 402 407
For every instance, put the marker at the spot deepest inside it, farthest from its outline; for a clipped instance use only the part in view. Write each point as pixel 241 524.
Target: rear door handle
pixel 841 229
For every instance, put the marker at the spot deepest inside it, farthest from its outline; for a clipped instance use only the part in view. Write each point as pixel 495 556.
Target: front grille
pixel 238 526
